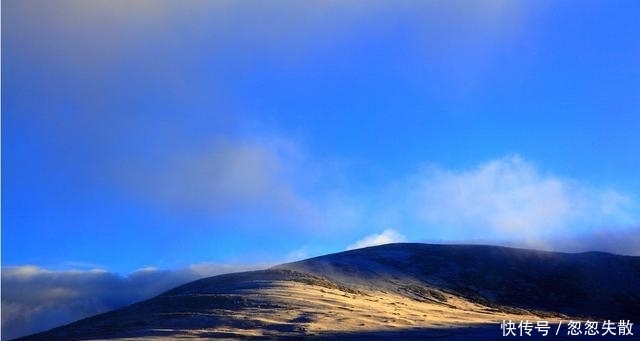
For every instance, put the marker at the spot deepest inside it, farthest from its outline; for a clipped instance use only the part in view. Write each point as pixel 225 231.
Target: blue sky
pixel 149 143
pixel 165 134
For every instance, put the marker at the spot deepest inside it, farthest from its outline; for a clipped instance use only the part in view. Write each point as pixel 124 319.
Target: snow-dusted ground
pixel 396 291
pixel 588 284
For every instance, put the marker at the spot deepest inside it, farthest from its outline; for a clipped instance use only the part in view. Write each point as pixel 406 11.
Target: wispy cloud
pixel 36 299
pixel 510 196
pixel 223 175
pixel 385 237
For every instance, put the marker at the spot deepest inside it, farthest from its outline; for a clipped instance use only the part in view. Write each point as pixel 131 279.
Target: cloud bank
pixel 36 299
pixel 510 196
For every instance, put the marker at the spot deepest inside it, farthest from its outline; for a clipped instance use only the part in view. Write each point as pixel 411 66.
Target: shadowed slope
pixel 582 284
pixel 397 291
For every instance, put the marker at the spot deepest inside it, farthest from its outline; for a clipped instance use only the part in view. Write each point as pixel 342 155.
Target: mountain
pixel 394 291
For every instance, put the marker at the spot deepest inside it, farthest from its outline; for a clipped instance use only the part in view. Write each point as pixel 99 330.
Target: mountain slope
pixel 390 291
pixel 584 284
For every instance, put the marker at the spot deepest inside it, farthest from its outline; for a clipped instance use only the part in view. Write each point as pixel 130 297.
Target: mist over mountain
pixel 401 290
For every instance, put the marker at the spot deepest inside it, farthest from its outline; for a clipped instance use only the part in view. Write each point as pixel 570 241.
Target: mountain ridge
pixel 479 262
pixel 425 290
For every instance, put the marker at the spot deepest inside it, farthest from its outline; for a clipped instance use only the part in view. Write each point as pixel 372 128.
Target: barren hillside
pixel 393 291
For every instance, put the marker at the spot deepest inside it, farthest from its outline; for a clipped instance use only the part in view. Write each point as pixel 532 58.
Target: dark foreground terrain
pixel 395 291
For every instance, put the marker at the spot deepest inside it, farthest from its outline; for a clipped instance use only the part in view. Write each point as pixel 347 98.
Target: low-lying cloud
pixel 385 237
pixel 36 299
pixel 617 240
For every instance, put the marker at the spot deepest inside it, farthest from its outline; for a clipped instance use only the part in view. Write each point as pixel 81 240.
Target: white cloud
pixel 387 236
pixel 511 198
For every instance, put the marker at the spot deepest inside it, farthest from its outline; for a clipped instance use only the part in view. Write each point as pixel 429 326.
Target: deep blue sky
pixel 170 133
